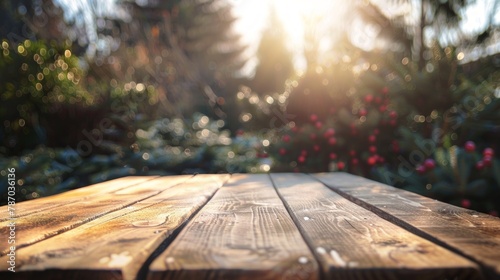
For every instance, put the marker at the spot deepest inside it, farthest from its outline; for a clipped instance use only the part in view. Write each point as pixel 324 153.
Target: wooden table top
pixel 240 226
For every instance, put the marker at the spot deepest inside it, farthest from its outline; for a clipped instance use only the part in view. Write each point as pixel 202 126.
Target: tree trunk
pixel 421 43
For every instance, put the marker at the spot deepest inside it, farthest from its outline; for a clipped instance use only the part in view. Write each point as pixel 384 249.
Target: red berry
pixel 372 138
pixel 480 165
pixel 385 90
pixel 239 132
pixel 282 151
pixel 316 148
pixel 488 152
pixel 382 108
pixel 395 148
pixel 352 153
pixel 329 132
pixel 313 117
pixel 363 112
pixel 372 160
pixel 465 203
pixel 369 98
pixel 355 161
pixel 429 164
pixel 421 169
pixel 333 156
pixel 392 122
pixel 393 114
pixel 470 146
pixel 313 136
pixel 381 159
pixel 376 131
pixel 295 129
pixel 286 138
pixel 332 141
pixel 372 149
pixel 341 165
pixel 303 153
pixel 487 160
pixel 319 125
pixel 301 159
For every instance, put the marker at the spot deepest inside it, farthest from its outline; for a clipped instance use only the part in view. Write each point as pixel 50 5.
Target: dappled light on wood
pixel 240 226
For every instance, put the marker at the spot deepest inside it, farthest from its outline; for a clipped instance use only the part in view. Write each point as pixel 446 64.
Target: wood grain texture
pixel 46 204
pixel 470 233
pixel 117 245
pixel 244 232
pixel 353 243
pixel 42 225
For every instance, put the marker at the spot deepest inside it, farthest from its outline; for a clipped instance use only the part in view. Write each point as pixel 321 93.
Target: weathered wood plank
pixel 244 232
pixel 470 233
pixel 353 243
pixel 48 203
pixel 42 225
pixel 117 245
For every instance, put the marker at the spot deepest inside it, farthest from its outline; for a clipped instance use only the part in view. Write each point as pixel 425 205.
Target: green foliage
pixel 464 178
pixel 39 79
pixel 444 108
pixel 165 147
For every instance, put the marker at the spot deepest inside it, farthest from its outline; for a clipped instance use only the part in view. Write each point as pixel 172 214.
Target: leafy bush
pixel 40 78
pixel 166 147
pixel 461 175
pixel 402 126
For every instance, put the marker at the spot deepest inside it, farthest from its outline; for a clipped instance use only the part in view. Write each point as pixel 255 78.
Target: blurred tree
pixel 183 48
pixel 204 32
pixel 275 59
pixel 31 20
pixel 89 25
pixel 321 91
pixel 413 26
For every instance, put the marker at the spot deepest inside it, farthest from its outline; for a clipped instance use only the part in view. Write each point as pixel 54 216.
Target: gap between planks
pixel 450 234
pixel 48 203
pixel 89 251
pixel 378 248
pixel 142 274
pixel 39 226
pixel 243 232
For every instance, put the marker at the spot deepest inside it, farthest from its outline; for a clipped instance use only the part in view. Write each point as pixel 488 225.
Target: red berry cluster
pixel 347 142
pixel 487 159
pixel 488 153
pixel 428 165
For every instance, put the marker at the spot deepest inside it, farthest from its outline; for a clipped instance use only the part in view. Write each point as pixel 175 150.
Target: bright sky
pixel 253 16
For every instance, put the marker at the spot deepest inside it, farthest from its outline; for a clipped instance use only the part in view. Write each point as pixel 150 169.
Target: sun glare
pixel 297 16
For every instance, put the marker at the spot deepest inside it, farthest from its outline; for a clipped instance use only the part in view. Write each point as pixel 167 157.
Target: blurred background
pixel 404 92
